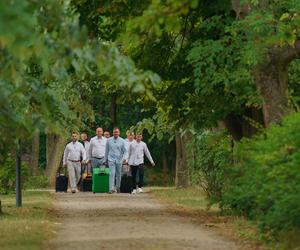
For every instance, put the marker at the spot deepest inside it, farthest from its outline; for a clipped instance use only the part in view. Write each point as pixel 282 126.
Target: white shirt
pixel 136 153
pixel 86 146
pixel 97 147
pixel 127 144
pixel 73 152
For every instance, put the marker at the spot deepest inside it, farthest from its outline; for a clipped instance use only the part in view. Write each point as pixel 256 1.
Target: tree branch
pixel 289 53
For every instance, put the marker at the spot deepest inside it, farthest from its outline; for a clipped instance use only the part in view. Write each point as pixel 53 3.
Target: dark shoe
pixel 111 192
pixel 118 190
pixel 73 191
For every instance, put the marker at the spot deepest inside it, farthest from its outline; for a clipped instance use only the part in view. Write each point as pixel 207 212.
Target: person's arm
pixel 83 154
pixel 66 152
pixel 89 153
pixel 130 151
pixel 125 153
pixel 106 152
pixel 147 153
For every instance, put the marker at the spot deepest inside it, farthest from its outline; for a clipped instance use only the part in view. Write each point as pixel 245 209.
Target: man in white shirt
pixel 136 153
pixel 86 144
pixel 97 148
pixel 130 139
pixel 73 154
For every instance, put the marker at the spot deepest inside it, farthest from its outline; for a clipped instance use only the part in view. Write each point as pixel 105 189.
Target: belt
pixel 98 158
pixel 74 161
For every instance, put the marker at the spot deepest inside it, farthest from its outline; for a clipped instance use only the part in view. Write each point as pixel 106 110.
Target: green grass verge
pixel 191 198
pixel 27 227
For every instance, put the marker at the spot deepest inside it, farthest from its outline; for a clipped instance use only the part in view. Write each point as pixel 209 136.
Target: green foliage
pixel 212 156
pixel 49 65
pixel 36 182
pixel 294 81
pixel 8 175
pixel 157 178
pixel 264 184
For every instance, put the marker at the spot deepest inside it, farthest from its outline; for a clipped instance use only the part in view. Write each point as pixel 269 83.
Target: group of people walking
pixel 104 150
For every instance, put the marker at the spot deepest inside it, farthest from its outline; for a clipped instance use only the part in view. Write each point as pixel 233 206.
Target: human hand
pixel 153 164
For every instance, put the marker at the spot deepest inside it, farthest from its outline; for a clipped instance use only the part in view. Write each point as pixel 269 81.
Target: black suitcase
pixel 126 183
pixel 86 180
pixel 62 181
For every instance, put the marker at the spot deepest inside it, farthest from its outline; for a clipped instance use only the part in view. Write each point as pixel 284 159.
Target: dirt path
pixel 122 221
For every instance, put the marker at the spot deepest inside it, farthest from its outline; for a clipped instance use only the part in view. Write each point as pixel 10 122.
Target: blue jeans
pixel 115 169
pixel 97 163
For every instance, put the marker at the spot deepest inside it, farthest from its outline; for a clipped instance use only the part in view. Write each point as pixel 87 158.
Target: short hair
pixel 139 133
pixel 116 128
pixel 75 132
pixel 84 133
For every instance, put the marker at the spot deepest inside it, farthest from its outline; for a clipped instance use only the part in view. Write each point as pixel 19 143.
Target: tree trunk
pixel 165 162
pixel 272 82
pixel 55 149
pixel 35 150
pixel 271 77
pixel 182 177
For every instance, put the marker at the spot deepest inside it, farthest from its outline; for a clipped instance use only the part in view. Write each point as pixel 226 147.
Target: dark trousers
pixel 134 170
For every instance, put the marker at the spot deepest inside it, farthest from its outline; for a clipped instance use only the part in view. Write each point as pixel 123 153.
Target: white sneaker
pixel 133 191
pixel 140 190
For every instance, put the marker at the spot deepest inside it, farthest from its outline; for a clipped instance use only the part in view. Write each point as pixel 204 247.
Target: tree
pixel 42 88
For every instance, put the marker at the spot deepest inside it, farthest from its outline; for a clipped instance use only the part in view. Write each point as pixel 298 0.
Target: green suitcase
pixel 100 180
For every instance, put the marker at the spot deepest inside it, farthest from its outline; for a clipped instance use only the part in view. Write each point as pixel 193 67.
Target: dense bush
pixel 36 182
pixel 154 176
pixel 212 153
pixel 265 183
pixel 8 175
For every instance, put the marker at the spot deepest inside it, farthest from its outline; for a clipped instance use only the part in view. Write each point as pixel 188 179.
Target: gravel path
pixel 122 221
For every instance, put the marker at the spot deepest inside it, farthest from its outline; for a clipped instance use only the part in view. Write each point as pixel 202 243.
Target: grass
pixel 194 202
pixel 190 198
pixel 27 227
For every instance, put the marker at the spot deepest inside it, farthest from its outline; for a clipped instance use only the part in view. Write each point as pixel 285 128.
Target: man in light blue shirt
pixel 114 157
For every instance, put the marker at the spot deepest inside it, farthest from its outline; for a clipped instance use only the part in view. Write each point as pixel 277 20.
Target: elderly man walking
pixel 73 154
pixel 97 148
pixel 114 156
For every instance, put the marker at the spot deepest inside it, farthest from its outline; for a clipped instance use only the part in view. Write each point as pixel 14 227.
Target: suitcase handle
pixel 60 168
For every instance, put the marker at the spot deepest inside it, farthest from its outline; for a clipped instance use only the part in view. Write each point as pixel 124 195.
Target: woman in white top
pixel 137 150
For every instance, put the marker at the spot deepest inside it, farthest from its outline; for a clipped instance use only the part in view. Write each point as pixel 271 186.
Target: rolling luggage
pixel 62 180
pixel 86 180
pixel 126 180
pixel 100 180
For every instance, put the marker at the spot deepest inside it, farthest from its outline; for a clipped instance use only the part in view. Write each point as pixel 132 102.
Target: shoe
pixel 140 190
pixel 111 191
pixel 118 190
pixel 73 191
pixel 133 191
